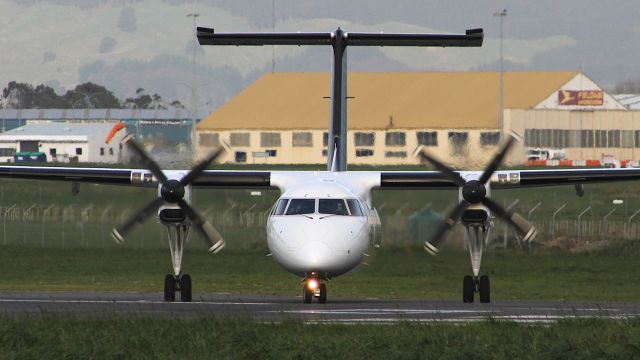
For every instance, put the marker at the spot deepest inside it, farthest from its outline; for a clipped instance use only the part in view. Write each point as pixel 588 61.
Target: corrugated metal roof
pixel 60 129
pixel 630 101
pixel 414 100
pixel 100 114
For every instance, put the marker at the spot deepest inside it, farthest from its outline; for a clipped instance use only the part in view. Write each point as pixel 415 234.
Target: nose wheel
pixel 313 288
pixel 472 285
pixel 181 283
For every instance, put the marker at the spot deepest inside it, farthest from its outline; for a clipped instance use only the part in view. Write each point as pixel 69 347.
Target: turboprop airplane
pixel 324 222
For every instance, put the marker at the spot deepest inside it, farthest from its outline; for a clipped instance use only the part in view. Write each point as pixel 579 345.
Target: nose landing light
pixel 312 284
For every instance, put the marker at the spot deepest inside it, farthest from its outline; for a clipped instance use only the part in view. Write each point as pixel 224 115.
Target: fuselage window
pixel 354 207
pixel 282 204
pixel 301 206
pixel 332 206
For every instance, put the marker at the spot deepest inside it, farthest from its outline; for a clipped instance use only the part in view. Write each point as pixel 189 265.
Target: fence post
pixel 44 215
pixel 533 209
pixel 4 223
pixel 104 213
pixel 26 216
pixel 553 221
pixel 603 220
pixel 629 221
pixel 580 217
pixel 245 215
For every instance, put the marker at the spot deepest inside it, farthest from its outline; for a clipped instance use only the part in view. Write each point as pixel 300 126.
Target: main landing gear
pixel 313 287
pixel 476 236
pixel 177 234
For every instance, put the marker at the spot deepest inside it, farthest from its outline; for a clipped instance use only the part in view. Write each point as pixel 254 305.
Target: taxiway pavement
pixel 278 308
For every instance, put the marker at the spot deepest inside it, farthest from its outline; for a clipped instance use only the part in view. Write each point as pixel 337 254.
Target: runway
pixel 277 308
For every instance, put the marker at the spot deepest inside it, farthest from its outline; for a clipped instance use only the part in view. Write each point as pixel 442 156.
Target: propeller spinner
pixel 475 192
pixel 172 191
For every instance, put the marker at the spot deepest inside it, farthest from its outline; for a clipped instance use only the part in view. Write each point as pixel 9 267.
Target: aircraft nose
pixel 316 254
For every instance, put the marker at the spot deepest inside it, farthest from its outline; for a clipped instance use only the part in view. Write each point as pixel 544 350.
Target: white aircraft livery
pixel 324 222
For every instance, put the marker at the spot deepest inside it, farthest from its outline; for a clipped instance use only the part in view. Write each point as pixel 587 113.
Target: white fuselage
pixel 320 226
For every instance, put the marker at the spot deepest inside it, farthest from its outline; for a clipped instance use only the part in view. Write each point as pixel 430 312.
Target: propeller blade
pixel 524 228
pixel 497 160
pixel 444 169
pixel 120 232
pixel 213 237
pixel 148 162
pixel 431 246
pixel 201 166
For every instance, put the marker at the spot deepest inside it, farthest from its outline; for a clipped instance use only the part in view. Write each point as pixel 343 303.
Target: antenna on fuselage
pixel 339 40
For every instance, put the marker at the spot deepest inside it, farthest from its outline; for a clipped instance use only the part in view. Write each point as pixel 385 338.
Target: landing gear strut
pixel 177 235
pixel 312 287
pixel 476 236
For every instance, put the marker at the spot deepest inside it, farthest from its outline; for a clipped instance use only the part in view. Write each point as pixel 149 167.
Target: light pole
pixel 193 90
pixel 501 14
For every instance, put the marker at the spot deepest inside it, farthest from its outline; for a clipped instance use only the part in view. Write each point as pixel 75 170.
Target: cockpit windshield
pixel 332 206
pixel 301 206
pixel 342 207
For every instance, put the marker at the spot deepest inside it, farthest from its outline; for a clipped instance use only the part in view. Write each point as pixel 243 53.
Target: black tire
pixel 485 289
pixel 322 299
pixel 169 288
pixel 307 294
pixel 185 288
pixel 467 289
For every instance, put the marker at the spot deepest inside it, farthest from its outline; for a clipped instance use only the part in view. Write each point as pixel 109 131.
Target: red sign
pixel 581 97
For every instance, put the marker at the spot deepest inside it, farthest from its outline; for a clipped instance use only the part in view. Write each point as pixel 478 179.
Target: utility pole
pixel 501 14
pixel 273 29
pixel 193 89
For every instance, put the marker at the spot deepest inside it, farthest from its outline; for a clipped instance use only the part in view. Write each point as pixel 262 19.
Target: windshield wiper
pixel 326 216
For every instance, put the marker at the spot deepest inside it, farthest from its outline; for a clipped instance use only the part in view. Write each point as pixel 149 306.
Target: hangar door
pixel 29 146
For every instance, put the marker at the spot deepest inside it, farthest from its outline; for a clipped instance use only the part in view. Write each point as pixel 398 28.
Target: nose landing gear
pixel 313 287
pixel 177 235
pixel 476 238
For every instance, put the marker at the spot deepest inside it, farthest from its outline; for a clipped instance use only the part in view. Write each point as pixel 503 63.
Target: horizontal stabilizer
pixel 207 36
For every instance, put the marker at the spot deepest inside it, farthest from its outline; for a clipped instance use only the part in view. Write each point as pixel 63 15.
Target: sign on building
pixel 581 97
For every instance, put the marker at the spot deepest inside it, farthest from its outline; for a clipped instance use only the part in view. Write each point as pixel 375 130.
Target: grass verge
pixel 208 338
pixel 392 273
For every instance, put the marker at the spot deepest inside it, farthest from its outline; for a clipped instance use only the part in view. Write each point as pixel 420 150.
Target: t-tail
pixel 339 40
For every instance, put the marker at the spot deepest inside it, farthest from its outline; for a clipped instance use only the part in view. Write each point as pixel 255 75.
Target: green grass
pixel 57 337
pixel 610 274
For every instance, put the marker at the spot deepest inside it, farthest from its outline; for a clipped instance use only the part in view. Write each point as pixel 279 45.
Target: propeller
pixel 475 192
pixel 172 191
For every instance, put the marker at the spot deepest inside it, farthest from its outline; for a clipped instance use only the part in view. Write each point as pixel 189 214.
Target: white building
pixel 64 142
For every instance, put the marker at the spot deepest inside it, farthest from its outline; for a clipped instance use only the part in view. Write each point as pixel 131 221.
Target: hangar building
pixel 283 118
pixel 63 142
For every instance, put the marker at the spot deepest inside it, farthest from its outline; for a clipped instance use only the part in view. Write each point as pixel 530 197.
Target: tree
pixel 90 95
pixel 145 101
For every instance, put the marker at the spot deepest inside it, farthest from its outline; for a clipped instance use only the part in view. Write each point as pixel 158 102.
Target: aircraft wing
pixel 508 179
pixel 137 177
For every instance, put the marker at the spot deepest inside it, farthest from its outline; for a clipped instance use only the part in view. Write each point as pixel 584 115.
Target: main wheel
pixel 185 288
pixel 485 289
pixel 169 288
pixel 307 294
pixel 322 299
pixel 467 289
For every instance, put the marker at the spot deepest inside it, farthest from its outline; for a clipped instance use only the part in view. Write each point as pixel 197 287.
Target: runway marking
pixel 131 302
pixel 382 311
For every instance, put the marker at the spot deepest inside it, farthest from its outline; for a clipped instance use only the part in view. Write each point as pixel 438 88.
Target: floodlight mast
pixel 339 41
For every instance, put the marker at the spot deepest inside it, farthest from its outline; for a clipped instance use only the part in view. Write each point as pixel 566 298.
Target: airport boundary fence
pixel 71 226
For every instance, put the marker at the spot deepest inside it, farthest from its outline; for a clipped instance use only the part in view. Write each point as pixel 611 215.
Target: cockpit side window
pixel 332 206
pixel 301 206
pixel 354 207
pixel 282 204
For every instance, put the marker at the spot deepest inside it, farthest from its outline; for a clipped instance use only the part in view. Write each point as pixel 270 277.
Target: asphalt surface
pixel 276 308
